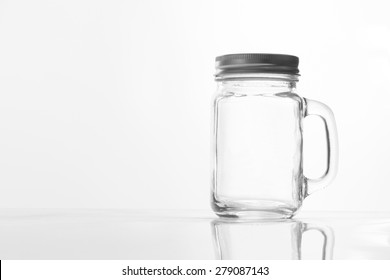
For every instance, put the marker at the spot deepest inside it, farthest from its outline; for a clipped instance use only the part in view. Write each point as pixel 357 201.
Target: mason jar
pixel 257 138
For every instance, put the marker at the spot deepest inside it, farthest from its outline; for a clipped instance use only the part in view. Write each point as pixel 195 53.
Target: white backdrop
pixel 106 104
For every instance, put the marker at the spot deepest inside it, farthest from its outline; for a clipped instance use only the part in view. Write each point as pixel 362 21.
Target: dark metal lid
pixel 244 63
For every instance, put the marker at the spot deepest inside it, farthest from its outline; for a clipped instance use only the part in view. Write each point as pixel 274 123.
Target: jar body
pixel 257 148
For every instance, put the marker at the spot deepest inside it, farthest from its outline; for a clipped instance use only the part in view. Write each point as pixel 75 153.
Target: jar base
pixel 255 214
pixel 269 210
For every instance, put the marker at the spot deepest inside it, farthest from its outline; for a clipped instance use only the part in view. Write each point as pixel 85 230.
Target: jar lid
pixel 244 63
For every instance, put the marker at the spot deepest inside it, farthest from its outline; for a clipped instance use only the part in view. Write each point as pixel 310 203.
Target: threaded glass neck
pixel 258 83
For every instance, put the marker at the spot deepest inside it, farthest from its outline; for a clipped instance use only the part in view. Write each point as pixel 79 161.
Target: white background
pixel 106 104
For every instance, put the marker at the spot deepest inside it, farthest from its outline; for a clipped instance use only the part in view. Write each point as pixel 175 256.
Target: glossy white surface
pixel 125 234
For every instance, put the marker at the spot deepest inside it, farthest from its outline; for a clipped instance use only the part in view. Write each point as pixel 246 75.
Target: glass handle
pixel 327 233
pixel 326 114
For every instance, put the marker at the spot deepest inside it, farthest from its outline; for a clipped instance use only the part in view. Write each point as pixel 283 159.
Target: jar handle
pixel 326 114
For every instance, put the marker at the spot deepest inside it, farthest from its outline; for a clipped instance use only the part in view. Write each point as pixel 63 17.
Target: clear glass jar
pixel 257 138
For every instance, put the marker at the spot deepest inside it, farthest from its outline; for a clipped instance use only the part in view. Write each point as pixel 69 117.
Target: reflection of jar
pixel 273 240
pixel 257 137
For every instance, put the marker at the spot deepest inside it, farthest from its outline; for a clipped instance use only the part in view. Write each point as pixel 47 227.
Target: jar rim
pixel 258 76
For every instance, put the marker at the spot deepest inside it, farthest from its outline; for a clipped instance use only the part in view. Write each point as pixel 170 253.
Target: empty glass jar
pixel 257 137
